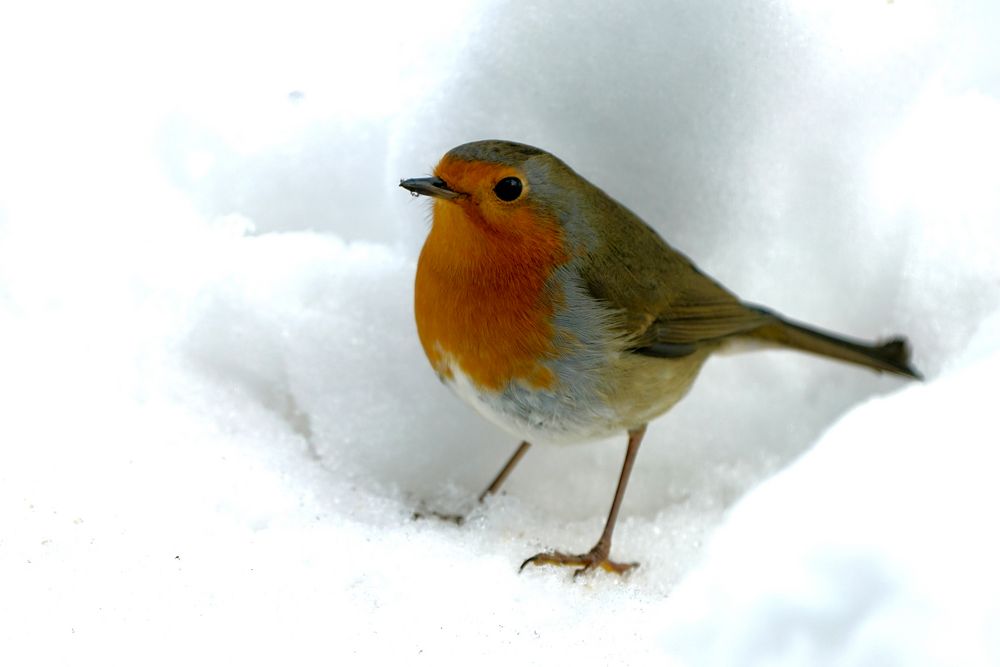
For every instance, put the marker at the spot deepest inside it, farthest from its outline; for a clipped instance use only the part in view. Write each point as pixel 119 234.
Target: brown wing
pixel 687 327
pixel 668 306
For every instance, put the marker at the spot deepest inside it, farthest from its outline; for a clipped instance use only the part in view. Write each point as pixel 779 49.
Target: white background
pixel 216 421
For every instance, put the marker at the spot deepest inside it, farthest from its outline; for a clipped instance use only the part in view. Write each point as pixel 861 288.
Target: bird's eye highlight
pixel 508 189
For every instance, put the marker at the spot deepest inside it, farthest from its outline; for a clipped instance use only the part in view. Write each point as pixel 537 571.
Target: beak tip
pixel 431 187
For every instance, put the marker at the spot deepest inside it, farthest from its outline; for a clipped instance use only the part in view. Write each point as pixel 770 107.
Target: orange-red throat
pixel 484 300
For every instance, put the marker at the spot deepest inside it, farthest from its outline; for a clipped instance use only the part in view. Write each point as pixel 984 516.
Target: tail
pixel 892 355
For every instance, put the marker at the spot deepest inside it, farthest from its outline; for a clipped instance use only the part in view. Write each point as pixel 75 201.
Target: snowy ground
pixel 217 423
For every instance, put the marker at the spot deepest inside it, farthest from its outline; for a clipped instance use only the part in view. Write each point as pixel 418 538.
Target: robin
pixel 561 316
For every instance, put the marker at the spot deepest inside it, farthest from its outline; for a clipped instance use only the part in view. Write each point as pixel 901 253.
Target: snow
pixel 217 421
pixel 887 551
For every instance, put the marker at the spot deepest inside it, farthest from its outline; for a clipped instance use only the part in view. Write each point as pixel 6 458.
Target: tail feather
pixel 892 355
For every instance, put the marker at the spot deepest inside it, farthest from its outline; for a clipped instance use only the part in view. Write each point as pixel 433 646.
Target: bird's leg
pixel 598 556
pixel 494 486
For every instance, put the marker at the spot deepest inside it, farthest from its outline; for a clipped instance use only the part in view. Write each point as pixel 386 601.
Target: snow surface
pixel 217 422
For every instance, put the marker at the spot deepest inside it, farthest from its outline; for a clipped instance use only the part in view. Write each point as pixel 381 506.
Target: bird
pixel 561 316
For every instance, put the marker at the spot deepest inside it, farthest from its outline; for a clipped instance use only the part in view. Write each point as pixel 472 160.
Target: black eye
pixel 508 189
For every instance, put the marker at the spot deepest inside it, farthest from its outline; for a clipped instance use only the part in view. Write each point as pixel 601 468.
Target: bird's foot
pixel 457 519
pixel 595 558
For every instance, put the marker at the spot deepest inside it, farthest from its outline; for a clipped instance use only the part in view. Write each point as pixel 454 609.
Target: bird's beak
pixel 431 186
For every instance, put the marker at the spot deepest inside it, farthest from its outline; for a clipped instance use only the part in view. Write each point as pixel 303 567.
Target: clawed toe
pixel 457 519
pixel 583 562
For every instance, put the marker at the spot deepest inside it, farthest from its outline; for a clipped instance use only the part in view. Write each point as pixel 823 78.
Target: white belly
pixel 638 390
pixel 538 416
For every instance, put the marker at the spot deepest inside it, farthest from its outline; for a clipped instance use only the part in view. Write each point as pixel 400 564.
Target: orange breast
pixel 481 300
